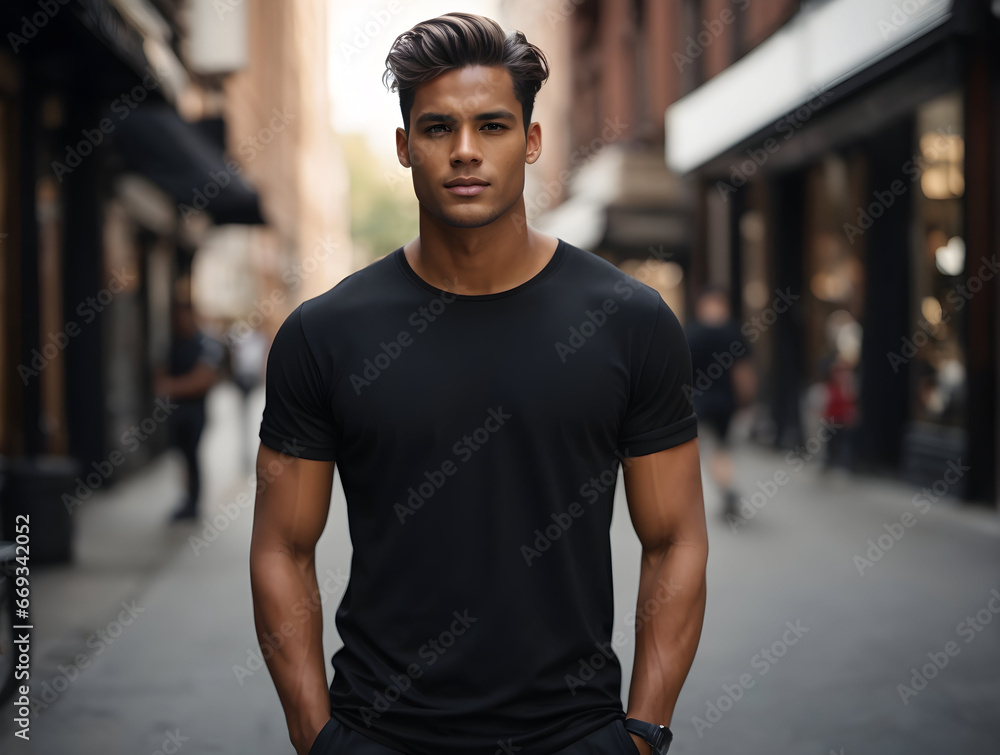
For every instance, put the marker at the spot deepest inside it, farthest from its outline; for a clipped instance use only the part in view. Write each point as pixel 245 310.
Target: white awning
pixel 823 45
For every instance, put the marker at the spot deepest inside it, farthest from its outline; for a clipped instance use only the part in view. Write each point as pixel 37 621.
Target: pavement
pixel 146 645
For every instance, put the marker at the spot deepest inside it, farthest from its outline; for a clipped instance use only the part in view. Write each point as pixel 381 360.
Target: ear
pixel 402 148
pixel 533 147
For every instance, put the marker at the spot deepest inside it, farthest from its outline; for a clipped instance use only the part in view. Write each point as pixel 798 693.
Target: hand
pixel 644 747
pixel 307 735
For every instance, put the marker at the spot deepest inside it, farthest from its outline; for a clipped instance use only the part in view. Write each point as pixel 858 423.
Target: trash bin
pixel 35 486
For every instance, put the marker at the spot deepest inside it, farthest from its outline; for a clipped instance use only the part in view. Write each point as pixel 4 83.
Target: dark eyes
pixel 487 126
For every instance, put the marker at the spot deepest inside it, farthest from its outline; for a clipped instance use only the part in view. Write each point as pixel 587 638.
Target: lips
pixel 466 187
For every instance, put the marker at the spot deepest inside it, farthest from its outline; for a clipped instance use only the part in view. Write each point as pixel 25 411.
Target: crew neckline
pixel 550 267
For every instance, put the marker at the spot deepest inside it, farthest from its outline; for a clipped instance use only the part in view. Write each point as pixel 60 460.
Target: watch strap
pixel 658 736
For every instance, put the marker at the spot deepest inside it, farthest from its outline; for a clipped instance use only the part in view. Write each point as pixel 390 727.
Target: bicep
pixel 292 504
pixel 664 495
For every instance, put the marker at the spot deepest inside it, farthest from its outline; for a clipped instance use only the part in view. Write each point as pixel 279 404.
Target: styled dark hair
pixel 457 40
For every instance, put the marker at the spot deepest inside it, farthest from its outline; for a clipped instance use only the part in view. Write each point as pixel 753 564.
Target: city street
pixel 146 644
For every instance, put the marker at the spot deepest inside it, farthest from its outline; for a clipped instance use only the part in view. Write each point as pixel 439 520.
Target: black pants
pixel 337 738
pixel 186 425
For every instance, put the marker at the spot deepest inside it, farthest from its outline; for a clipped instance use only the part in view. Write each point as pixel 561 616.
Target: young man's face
pixel 467 124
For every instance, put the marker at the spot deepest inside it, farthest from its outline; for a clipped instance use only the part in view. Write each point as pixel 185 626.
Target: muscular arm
pixel 293 500
pixel 667 509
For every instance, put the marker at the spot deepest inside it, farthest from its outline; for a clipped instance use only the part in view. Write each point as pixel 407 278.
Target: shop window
pixel 943 281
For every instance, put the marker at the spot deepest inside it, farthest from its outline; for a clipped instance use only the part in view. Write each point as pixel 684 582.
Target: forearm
pixel 669 616
pixel 289 621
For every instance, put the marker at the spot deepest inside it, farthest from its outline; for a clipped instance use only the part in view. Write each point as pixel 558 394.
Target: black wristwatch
pixel 657 735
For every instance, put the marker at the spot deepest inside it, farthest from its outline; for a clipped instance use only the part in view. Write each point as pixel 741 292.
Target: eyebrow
pixel 493 115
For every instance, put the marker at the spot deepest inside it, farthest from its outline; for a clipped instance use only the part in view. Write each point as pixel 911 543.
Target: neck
pixel 475 261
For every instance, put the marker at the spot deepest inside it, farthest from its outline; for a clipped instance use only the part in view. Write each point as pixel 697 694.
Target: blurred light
pixel 930 308
pixel 950 259
pixel 944 153
pixel 830 285
pixel 52 112
pixel 752 226
pixel 755 294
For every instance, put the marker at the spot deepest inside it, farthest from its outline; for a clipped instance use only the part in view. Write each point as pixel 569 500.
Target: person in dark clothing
pixel 723 381
pixel 479 389
pixel 191 370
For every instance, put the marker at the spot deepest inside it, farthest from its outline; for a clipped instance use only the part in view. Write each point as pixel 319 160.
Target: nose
pixel 466 147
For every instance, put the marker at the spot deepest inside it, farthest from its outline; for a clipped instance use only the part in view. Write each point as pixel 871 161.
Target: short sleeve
pixel 660 414
pixel 298 416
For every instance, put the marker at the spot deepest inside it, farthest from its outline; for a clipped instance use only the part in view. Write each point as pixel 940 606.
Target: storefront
pixel 96 166
pixel 862 181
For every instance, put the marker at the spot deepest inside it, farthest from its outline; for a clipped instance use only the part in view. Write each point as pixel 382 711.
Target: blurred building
pixel 850 157
pixel 151 148
pixel 833 163
pixel 277 107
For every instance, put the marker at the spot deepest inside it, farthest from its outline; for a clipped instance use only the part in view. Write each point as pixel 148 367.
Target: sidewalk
pixel 182 668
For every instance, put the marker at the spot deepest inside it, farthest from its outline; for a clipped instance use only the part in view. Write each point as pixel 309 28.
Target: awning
pixel 179 158
pixel 823 45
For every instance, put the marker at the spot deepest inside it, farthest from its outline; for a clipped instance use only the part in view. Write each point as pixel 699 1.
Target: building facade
pixel 850 159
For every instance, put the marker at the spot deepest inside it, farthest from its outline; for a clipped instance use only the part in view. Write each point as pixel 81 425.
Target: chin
pixel 469 219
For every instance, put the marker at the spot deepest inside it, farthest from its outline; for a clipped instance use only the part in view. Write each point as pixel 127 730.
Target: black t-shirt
pixel 478 440
pixel 714 351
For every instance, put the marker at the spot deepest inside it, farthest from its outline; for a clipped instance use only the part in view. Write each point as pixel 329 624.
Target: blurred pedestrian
pixel 723 382
pixel 840 408
pixel 191 369
pixel 247 357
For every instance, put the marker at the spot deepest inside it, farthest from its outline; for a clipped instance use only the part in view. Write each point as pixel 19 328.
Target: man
pixel 725 381
pixel 478 388
pixel 191 370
